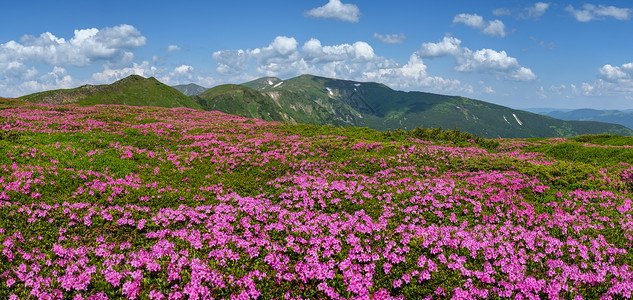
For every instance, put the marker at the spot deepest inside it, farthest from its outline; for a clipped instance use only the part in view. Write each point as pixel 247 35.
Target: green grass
pixel 133 91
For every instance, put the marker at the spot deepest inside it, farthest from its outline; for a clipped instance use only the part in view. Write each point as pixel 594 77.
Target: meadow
pixel 120 202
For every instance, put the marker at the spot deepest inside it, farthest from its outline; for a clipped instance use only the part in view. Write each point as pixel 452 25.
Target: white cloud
pixel 615 74
pixel 491 61
pixel 183 69
pixel 413 74
pixel 486 89
pixel 448 46
pixel 356 61
pixel 172 48
pixel 474 20
pixel 491 28
pixel 16 70
pixel 58 78
pixel 483 60
pixel 315 53
pixel 335 9
pixel 612 80
pixel 495 28
pixel 592 12
pixel 231 62
pixel 535 11
pixel 110 75
pixel 84 48
pixel 391 38
pixel 501 12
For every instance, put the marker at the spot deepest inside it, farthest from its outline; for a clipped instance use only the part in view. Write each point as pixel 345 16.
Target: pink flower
pixel 397 283
pixel 156 295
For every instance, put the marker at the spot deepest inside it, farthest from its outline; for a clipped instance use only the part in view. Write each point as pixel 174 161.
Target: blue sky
pixel 522 54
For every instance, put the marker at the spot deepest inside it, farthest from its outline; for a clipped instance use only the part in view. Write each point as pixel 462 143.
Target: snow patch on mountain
pixel 518 121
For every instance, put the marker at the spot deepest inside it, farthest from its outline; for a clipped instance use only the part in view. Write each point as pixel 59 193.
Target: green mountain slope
pixel 325 101
pixel 281 106
pixel 191 89
pixel 377 106
pixel 133 90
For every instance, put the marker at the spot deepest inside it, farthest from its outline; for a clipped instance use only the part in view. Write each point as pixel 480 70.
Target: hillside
pixel 121 202
pixel 325 101
pixel 191 89
pixel 624 118
pixel 133 90
pixel 277 105
pixel 377 106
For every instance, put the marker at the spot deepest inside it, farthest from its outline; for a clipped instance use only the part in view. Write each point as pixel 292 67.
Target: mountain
pixel 133 90
pixel 374 105
pixel 325 101
pixel 276 105
pixel 622 117
pixel 191 89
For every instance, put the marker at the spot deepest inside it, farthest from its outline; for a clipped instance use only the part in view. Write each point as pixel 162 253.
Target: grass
pixel 128 202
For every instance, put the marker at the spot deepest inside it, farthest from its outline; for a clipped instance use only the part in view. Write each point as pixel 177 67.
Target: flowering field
pixel 111 202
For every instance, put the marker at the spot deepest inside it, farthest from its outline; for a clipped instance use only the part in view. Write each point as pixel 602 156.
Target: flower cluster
pixel 110 202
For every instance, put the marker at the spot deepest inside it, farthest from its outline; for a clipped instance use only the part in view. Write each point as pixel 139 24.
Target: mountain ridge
pixel 375 105
pixel 622 117
pixel 326 101
pixel 133 90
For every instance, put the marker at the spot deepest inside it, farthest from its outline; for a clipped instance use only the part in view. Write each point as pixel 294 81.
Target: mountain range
pixel 326 101
pixel 622 117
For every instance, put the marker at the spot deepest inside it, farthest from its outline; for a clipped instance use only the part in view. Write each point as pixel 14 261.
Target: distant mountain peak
pixel 190 89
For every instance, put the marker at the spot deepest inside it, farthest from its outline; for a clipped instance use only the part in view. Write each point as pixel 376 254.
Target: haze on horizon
pixel 520 54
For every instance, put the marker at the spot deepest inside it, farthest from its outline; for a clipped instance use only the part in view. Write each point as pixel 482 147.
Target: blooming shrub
pixel 110 202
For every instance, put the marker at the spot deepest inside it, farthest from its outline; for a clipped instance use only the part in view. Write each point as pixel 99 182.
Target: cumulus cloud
pixel 491 28
pixel 474 20
pixel 611 80
pixel 614 74
pixel 491 61
pixel 172 48
pixel 590 12
pixel 84 48
pixel 391 38
pixel 315 53
pixel 483 60
pixel 448 46
pixel 356 61
pixel 335 9
pixel 413 73
pixel 535 11
pixel 183 69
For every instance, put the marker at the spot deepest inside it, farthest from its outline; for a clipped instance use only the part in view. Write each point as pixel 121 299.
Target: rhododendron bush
pixel 111 202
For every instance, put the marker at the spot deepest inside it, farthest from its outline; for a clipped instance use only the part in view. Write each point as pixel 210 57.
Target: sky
pixel 521 54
